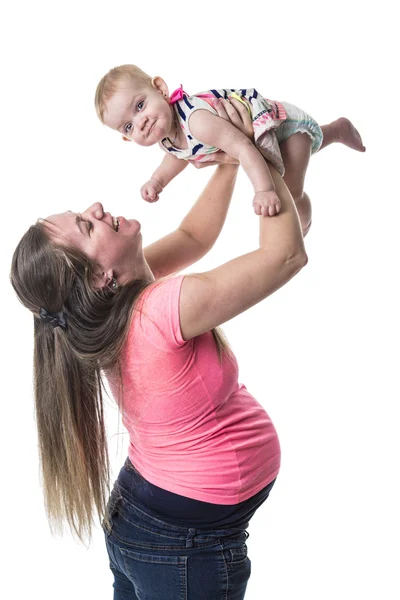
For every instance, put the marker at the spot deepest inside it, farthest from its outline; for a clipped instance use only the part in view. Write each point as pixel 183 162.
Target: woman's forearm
pixel 282 234
pixel 206 218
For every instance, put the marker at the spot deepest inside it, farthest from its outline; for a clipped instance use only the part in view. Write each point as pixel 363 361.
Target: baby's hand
pixel 266 204
pixel 150 191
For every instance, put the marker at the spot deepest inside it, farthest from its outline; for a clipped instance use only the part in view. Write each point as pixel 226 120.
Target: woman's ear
pixel 102 279
pixel 159 84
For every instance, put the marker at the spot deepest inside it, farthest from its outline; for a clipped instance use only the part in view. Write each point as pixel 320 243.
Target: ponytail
pixel 79 332
pixel 71 432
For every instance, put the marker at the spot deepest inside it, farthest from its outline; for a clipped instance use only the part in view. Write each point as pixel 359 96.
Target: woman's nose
pixel 96 210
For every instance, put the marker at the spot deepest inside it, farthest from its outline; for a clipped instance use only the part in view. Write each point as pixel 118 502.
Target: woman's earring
pixel 114 284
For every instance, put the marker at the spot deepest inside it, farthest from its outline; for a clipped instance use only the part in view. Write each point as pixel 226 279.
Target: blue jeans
pixel 154 560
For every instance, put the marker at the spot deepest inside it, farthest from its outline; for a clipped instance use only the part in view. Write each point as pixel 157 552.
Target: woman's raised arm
pixel 212 298
pixel 198 231
pixel 201 227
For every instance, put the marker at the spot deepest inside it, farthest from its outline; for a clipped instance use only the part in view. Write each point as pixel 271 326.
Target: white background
pixel 321 355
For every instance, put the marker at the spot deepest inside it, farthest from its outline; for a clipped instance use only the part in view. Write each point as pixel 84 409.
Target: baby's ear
pixel 126 139
pixel 159 84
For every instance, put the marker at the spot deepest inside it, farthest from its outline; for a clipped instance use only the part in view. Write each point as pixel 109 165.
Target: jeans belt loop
pixel 189 538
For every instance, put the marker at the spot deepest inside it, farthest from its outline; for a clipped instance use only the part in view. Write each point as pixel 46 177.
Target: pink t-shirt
pixel 194 430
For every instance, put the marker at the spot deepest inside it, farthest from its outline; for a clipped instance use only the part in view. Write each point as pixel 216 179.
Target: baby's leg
pixel 342 131
pixel 296 152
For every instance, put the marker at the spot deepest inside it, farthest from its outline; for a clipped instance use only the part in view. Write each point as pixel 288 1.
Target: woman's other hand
pixel 237 113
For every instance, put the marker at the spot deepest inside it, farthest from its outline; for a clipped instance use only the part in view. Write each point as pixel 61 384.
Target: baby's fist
pixel 266 204
pixel 150 191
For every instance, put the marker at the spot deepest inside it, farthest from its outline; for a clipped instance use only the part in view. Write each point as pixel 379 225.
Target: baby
pixel 188 128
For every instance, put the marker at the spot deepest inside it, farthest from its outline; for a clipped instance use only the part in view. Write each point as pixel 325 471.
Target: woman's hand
pixel 236 112
pixel 216 158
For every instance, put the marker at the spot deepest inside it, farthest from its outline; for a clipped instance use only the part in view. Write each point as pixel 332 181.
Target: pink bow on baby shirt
pixel 177 95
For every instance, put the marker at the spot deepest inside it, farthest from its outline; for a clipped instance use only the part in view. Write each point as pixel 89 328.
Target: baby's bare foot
pixel 347 134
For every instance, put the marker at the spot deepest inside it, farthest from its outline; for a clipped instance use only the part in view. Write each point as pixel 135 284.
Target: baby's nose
pixel 142 122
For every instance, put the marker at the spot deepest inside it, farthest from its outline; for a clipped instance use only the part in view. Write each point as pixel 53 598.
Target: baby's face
pixel 141 113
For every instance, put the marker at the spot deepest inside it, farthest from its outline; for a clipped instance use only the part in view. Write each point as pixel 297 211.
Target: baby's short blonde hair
pixel 108 85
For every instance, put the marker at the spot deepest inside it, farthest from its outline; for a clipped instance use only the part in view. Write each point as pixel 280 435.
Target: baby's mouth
pixel 115 223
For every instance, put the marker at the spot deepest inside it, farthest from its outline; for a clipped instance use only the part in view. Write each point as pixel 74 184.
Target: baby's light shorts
pixel 299 121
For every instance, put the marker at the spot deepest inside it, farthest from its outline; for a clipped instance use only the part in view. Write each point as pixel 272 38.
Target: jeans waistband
pixel 123 501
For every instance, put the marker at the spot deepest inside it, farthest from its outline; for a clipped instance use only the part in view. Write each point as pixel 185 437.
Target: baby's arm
pixel 214 131
pixel 169 168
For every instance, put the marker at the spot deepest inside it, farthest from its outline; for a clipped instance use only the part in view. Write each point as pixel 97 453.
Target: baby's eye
pixel 90 226
pixel 140 105
pixel 128 128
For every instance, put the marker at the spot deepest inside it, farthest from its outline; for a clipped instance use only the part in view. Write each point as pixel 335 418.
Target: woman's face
pixel 114 243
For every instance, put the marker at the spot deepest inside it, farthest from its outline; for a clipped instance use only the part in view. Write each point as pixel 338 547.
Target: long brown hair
pixel 67 372
pixel 68 366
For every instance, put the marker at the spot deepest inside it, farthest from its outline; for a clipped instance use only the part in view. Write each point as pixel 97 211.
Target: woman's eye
pixel 90 226
pixel 128 128
pixel 140 105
